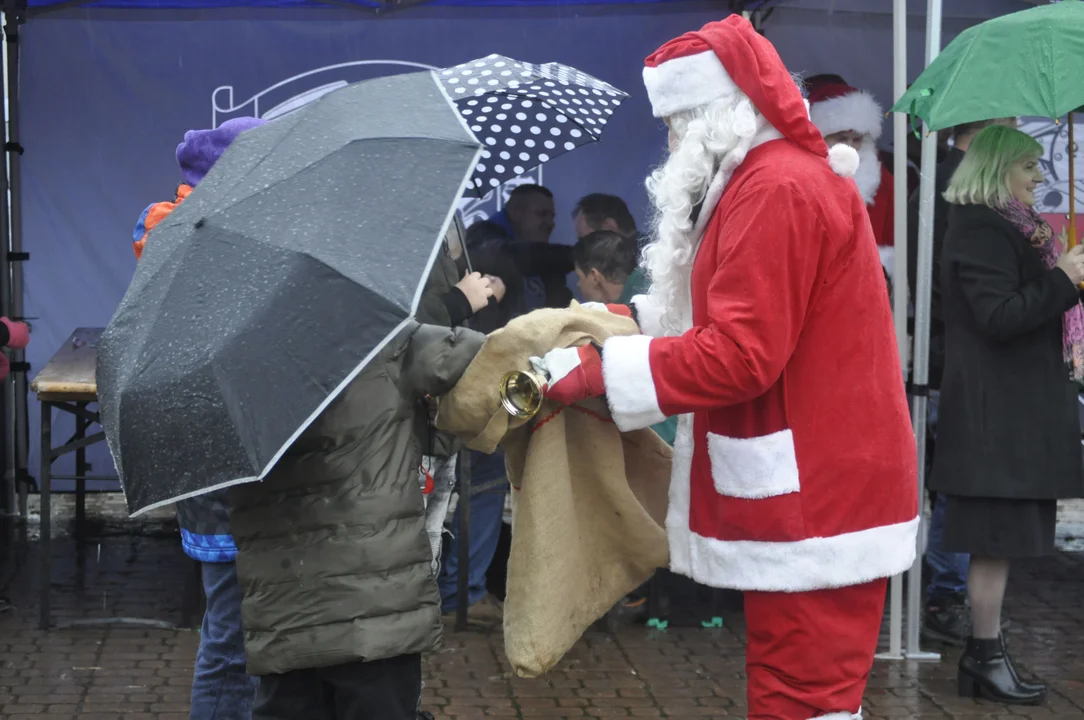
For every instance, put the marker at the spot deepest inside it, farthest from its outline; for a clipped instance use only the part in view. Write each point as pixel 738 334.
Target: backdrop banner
pixel 107 94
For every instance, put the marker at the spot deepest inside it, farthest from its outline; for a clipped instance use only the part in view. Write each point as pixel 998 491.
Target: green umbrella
pixel 1028 63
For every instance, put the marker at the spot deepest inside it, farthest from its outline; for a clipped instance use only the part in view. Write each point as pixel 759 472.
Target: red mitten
pixel 18 333
pixel 572 374
pixel 5 367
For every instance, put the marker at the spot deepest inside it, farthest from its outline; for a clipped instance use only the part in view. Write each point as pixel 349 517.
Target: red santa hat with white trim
pixel 835 106
pixel 729 58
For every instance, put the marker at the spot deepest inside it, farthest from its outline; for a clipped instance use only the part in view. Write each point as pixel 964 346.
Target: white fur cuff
pixel 630 386
pixel 686 82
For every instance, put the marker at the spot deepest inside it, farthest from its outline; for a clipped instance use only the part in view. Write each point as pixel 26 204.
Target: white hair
pixel 712 140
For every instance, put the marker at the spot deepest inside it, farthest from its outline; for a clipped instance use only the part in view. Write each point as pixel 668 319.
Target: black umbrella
pixel 295 260
pixel 527 114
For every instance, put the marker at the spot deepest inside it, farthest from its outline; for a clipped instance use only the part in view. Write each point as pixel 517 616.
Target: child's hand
pixel 477 290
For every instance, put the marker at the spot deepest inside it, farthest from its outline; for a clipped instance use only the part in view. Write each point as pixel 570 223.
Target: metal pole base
pixel 924 656
pixel 889 656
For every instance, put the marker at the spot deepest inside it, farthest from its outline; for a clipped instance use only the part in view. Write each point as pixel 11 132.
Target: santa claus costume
pixel 835 106
pixel 768 332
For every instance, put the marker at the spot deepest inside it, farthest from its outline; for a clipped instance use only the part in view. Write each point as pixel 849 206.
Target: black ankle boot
pixel 986 671
pixel 1031 687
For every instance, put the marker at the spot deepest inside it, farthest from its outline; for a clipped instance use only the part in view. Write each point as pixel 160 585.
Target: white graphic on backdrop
pixel 294 92
pixel 1053 194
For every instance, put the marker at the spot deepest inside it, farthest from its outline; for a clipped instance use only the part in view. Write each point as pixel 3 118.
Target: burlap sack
pixel 589 503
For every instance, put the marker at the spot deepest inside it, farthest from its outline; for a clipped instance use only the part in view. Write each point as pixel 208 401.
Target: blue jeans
pixel 221 690
pixel 948 571
pixel 486 516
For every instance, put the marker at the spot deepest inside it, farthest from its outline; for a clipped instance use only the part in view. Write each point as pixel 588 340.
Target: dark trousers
pixel 220 688
pixel 380 690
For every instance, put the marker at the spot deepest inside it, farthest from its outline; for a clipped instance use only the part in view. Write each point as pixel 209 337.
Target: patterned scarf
pixel 1039 233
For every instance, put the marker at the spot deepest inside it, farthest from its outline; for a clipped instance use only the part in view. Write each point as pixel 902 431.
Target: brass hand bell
pixel 522 392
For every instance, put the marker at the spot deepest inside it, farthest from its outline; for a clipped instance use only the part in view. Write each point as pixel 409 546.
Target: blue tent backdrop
pixel 109 89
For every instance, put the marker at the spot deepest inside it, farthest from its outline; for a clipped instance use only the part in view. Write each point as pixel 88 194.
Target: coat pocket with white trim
pixel 754 468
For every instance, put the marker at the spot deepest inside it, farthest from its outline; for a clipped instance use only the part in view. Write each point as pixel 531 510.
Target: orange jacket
pixel 155 214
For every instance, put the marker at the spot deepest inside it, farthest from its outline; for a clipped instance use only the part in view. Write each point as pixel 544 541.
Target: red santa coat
pixel 794 465
pixel 881 215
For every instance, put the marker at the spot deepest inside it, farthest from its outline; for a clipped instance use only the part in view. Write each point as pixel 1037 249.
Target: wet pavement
pixel 137 570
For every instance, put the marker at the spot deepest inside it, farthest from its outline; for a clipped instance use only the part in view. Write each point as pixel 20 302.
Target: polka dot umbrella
pixel 526 114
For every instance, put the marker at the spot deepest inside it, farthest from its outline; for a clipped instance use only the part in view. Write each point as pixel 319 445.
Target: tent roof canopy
pixel 36 7
pixel 979 9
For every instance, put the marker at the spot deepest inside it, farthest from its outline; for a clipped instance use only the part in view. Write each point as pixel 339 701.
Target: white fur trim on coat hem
pixel 677 514
pixel 687 82
pixel 814 564
pixel 840 716
pixel 630 386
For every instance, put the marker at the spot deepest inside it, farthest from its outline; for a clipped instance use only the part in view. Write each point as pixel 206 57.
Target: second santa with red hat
pixel 768 332
pixel 845 114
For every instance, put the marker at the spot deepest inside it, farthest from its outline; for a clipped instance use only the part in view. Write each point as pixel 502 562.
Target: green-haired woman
pixel 1009 432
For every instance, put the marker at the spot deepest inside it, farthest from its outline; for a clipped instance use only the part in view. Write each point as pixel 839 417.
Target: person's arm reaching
pixel 436 358
pixel 756 306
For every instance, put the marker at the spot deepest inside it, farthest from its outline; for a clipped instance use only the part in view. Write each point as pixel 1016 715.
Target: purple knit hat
pixel 201 149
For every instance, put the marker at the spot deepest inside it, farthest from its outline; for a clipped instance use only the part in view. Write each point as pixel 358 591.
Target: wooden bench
pixel 67 383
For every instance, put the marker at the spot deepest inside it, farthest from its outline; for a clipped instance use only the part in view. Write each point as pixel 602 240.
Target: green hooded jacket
pixel 333 559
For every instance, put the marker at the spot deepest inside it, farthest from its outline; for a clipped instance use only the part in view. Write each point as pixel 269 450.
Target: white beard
pixel 868 175
pixel 713 141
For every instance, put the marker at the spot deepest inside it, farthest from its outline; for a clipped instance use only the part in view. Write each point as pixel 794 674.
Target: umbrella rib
pixel 952 80
pixel 286 136
pixel 335 394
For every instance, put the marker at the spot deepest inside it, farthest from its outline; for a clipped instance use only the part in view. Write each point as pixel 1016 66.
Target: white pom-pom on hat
pixel 843 159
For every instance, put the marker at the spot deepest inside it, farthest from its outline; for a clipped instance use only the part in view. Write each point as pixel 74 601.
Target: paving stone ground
pixel 144 674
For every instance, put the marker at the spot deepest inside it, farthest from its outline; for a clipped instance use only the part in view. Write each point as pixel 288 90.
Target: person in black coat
pixel 1009 435
pixel 945 618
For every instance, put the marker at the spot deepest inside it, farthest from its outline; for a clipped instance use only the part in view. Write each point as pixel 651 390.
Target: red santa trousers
pixel 810 653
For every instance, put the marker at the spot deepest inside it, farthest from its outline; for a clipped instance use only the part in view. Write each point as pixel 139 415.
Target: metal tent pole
pixel 16 256
pixel 899 300
pixel 921 374
pixel 10 482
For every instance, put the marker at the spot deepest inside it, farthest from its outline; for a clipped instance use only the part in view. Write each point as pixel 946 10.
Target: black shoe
pixel 947 623
pixel 1035 687
pixel 423 715
pixel 986 670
